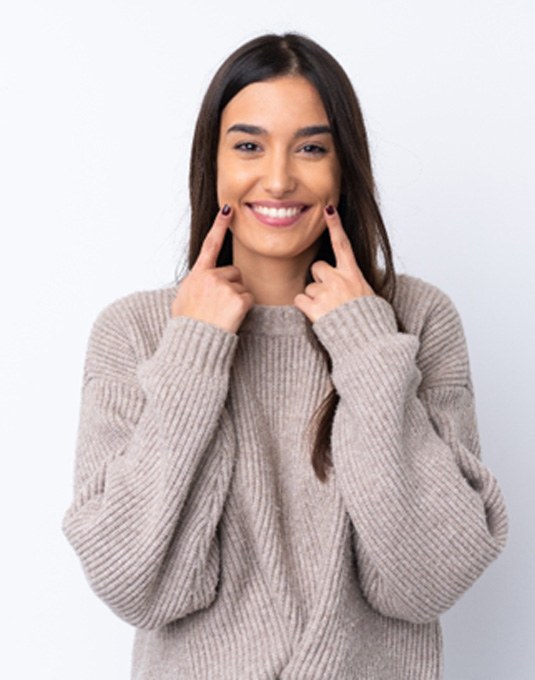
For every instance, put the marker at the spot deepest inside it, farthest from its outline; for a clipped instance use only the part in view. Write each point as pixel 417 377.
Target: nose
pixel 278 176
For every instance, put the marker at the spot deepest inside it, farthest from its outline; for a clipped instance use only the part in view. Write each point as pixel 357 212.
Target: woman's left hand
pixel 333 285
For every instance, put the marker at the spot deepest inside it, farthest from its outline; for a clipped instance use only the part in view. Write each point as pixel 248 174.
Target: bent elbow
pixel 159 613
pixel 426 602
pixel 406 608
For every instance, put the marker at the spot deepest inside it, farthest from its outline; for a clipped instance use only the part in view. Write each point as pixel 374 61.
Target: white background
pixel 97 105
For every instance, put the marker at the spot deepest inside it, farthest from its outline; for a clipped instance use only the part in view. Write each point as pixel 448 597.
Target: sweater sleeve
pixel 154 457
pixel 427 516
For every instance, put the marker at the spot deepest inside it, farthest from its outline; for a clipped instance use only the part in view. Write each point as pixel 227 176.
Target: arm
pixel 154 458
pixel 427 516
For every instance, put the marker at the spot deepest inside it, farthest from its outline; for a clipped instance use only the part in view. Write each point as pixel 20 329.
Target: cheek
pixel 327 183
pixel 222 191
pixel 231 182
pixel 224 175
pixel 221 187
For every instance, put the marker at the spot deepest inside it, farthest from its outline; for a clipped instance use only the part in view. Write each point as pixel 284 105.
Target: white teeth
pixel 276 212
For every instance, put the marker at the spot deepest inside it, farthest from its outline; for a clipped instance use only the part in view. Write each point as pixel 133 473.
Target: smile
pixel 278 215
pixel 276 212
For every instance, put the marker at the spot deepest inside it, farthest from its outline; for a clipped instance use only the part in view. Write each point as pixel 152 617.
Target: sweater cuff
pixel 195 344
pixel 354 323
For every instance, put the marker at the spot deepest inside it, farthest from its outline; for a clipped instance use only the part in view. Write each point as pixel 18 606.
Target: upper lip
pixel 279 204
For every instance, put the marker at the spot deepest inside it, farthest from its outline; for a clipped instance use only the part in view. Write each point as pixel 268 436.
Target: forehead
pixel 289 101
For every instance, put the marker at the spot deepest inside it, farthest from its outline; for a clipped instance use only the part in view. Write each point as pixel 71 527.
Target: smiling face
pixel 277 169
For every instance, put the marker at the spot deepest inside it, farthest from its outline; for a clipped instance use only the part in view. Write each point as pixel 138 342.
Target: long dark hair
pixel 270 56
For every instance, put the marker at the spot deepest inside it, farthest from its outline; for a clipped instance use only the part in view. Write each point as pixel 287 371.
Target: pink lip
pixel 279 204
pixel 278 221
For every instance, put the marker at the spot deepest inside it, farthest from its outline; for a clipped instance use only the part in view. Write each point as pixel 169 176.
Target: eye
pixel 247 147
pixel 314 149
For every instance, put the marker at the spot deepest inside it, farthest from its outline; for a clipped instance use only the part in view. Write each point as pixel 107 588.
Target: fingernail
pixel 330 209
pixel 226 209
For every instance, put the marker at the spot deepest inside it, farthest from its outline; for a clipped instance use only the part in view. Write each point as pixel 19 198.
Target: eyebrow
pixel 308 131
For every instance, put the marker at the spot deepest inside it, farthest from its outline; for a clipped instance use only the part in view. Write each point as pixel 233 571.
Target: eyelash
pixel 316 149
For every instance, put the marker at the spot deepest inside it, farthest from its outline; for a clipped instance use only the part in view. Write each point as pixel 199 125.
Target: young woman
pixel 278 469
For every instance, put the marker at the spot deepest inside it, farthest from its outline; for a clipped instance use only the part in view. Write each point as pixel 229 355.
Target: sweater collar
pixel 274 320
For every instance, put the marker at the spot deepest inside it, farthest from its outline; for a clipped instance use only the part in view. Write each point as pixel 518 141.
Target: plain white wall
pixel 97 104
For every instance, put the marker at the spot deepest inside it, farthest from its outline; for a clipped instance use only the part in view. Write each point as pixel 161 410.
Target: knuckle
pixel 211 276
pixel 247 301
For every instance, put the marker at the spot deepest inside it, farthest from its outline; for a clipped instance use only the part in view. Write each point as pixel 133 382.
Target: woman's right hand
pixel 210 293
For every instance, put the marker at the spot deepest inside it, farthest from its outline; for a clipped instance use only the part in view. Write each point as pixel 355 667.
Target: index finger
pixel 342 248
pixel 213 241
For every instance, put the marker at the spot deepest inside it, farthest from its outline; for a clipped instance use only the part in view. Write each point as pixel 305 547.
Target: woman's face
pixel 277 168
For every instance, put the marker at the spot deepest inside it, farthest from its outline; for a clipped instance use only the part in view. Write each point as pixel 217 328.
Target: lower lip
pixel 278 222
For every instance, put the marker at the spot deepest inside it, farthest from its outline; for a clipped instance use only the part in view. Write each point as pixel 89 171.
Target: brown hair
pixel 271 56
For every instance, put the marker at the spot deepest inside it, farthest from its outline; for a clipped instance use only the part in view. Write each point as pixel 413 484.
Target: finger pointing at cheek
pixel 346 262
pixel 343 251
pixel 333 285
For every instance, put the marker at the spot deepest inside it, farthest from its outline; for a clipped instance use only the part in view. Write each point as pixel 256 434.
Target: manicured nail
pixel 226 209
pixel 330 209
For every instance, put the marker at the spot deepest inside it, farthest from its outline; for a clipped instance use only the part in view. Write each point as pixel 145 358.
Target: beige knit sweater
pixel 197 516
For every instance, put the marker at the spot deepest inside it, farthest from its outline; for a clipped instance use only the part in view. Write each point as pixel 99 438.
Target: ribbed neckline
pixel 274 320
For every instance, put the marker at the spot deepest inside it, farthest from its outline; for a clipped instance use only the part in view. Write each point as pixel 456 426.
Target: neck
pixel 273 281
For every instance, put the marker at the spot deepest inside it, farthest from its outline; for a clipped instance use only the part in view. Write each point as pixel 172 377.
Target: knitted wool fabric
pixel 198 518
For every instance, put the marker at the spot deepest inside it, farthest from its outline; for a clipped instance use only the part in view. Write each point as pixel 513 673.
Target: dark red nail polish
pixel 330 209
pixel 226 209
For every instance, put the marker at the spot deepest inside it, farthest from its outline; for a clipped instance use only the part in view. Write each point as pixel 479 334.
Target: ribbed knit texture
pixel 197 515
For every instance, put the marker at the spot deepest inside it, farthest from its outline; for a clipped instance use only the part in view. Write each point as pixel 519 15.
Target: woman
pixel 278 469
